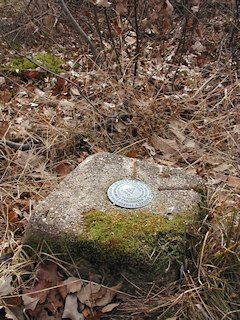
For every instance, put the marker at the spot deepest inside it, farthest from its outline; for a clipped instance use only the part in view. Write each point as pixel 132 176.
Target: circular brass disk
pixel 130 194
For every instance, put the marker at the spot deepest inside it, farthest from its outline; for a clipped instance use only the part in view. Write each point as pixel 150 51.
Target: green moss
pixel 143 243
pixel 131 238
pixel 22 64
pixel 140 242
pixel 48 61
pixel 131 228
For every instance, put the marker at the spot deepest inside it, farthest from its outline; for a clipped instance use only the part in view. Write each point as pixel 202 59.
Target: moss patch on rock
pixel 142 243
pixel 135 240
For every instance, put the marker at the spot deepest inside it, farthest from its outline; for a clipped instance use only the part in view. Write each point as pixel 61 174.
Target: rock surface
pixel 72 207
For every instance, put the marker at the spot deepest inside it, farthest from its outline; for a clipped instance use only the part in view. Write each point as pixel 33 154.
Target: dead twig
pixel 16 145
pixel 79 30
pixel 137 38
pixel 112 40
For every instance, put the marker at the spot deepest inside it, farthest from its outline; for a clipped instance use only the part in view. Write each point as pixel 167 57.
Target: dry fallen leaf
pixel 86 312
pixel 169 7
pixel 176 127
pixel 103 3
pixel 64 168
pixel 166 146
pixel 29 159
pixel 48 272
pixel 98 295
pixel 197 46
pixel 110 307
pixel 59 86
pixel 132 153
pixel 108 105
pixel 62 290
pixel 66 105
pixel 5 286
pixel 44 315
pixel 12 216
pixel 234 182
pixel 130 40
pixel 85 295
pixel 73 284
pixel 121 8
pixel 71 308
pixel 108 296
pixel 2 82
pixel 75 92
pixel 37 294
pixel 5 96
pixel 33 74
pixel 150 149
pixel 15 313
pixel 4 130
pixel 54 301
pixel 117 28
pixel 190 145
pixel 223 167
pixel 217 177
pixel 30 301
pixel 13 301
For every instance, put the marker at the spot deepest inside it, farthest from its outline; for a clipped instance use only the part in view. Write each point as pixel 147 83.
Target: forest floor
pixel 169 95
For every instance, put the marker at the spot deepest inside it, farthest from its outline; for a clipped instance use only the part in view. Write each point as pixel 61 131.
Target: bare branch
pixel 137 38
pixel 79 30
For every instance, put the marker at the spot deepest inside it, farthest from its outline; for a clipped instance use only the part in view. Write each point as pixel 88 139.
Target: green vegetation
pixel 143 243
pixel 133 238
pixel 48 61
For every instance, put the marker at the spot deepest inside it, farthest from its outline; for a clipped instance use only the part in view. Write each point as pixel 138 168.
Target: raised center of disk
pixel 130 194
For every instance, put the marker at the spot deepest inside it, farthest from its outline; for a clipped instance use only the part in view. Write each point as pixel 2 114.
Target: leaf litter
pixel 68 298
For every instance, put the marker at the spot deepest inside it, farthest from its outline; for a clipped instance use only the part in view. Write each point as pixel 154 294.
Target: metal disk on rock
pixel 130 194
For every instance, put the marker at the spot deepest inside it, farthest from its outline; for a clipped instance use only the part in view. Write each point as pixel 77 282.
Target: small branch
pixel 112 40
pixel 236 22
pixel 97 26
pixel 182 42
pixel 16 145
pixel 79 30
pixel 137 38
pixel 182 46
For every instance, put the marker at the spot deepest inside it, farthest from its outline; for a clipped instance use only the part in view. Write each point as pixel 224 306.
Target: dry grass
pixel 210 289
